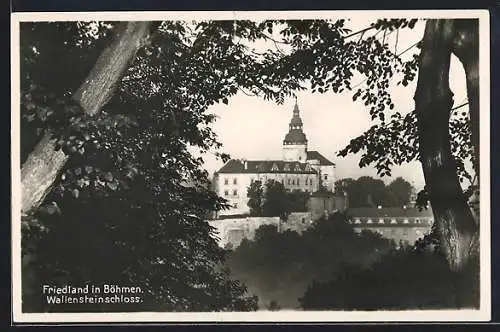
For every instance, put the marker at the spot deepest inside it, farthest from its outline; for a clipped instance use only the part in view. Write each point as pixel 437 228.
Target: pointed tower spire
pixel 296 107
pixel 295 142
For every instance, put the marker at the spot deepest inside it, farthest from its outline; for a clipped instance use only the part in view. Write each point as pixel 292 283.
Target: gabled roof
pixel 266 166
pixel 389 212
pixel 315 155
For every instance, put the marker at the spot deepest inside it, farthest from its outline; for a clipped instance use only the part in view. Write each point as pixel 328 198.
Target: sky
pixel 252 128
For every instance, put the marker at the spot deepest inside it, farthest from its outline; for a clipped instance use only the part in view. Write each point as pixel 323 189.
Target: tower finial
pixel 296 107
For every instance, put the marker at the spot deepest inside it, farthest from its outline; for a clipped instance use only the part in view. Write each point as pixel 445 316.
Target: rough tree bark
pixel 433 103
pixel 44 163
pixel 466 49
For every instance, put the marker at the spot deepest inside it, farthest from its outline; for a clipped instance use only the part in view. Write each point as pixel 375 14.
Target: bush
pixel 407 279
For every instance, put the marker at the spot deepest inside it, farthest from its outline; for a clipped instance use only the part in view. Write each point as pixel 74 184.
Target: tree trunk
pixel 466 49
pixel 433 103
pixel 43 165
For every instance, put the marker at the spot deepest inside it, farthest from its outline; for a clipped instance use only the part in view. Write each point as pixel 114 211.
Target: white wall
pixel 295 152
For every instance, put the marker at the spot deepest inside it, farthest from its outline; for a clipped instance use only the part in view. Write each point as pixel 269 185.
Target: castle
pixel 298 169
pixel 307 171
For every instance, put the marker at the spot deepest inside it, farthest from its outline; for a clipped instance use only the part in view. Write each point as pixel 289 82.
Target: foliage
pixel 129 205
pixel 279 266
pixel 276 202
pixel 400 280
pixel 369 192
pixel 255 193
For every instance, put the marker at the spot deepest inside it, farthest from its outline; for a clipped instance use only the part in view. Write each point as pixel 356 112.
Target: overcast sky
pixel 252 128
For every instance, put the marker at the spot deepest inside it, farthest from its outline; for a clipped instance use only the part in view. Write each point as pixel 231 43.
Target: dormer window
pixel 357 221
pixel 406 221
pixel 297 168
pixel 369 221
pixel 274 168
pixel 286 168
pixel 393 221
pixel 381 221
pixel 307 168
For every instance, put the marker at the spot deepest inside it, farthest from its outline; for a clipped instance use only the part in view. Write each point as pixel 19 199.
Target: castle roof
pixel 295 134
pixel 266 166
pixel 315 155
pixel 369 212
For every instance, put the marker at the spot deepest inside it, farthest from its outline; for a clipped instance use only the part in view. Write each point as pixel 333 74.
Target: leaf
pixel 112 185
pixel 108 177
pixel 225 101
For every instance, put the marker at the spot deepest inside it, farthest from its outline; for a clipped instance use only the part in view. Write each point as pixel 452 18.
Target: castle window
pixel 235 192
pixel 235 205
pixel 307 168
pixel 287 168
pixel 297 168
pixel 369 221
pixel 357 221
pixel 405 221
pixel 226 192
pixel 417 221
pixel 293 182
pixel 393 221
pixel 282 181
pixel 288 181
pixel 298 182
pixel 226 181
pixel 326 176
pixel 274 168
pixel 381 221
pixel 300 158
pixel 235 181
pixel 310 182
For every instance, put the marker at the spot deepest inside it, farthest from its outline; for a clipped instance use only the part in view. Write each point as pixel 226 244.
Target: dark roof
pixel 295 136
pixel 389 212
pixel 266 166
pixel 315 155
pixel 296 121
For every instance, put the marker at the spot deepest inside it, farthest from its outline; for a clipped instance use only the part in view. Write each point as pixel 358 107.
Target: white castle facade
pixel 298 169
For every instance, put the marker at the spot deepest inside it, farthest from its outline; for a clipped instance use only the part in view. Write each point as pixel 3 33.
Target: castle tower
pixel 295 142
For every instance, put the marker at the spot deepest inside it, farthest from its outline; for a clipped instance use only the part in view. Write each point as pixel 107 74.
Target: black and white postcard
pixel 315 166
